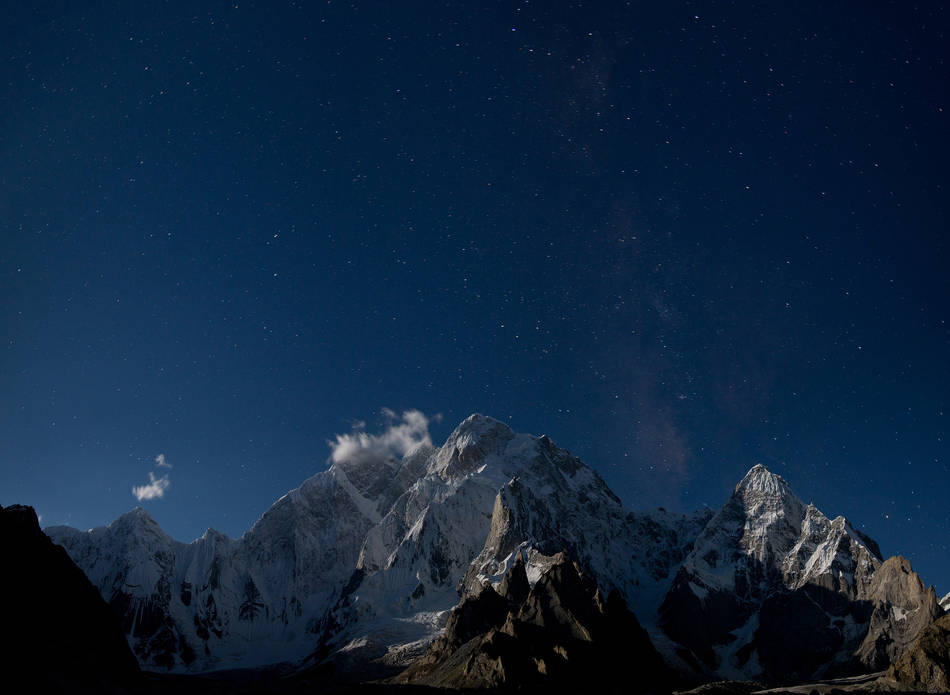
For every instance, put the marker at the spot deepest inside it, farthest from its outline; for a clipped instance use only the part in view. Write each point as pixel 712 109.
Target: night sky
pixel 678 238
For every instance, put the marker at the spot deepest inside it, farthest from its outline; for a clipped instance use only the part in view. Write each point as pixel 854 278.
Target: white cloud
pixel 155 489
pixel 402 434
pixel 161 463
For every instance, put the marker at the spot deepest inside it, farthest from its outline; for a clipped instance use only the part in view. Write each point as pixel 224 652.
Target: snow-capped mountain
pixel 486 495
pixel 774 587
pixel 217 602
pixel 365 559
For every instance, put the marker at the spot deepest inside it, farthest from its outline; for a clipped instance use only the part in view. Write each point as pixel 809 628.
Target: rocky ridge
pixel 553 635
pixel 902 607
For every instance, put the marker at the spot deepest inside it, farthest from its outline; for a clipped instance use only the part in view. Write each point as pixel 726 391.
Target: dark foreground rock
pixel 563 635
pixel 58 632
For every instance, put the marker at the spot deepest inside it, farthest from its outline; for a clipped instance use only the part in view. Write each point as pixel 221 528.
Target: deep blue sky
pixel 679 238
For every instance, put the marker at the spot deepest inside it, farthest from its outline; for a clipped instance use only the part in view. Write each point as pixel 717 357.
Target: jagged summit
pixel 761 480
pixel 550 637
pixel 476 438
pixel 477 424
pixel 764 543
pixel 903 608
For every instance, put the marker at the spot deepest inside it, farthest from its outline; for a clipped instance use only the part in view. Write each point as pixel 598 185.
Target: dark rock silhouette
pixel 59 633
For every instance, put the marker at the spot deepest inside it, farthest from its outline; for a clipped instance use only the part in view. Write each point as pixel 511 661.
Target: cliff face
pixel 902 608
pixel 926 665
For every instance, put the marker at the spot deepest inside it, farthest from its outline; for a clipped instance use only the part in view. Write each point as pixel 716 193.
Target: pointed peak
pixel 514 585
pixel 478 424
pixel 482 431
pixel 213 534
pixel 760 479
pixel 136 515
pixel 897 562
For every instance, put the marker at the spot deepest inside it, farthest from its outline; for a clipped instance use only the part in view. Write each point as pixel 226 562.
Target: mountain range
pixel 362 565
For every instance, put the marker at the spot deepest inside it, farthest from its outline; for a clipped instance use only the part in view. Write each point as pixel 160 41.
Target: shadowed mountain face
pixel 556 635
pixel 59 633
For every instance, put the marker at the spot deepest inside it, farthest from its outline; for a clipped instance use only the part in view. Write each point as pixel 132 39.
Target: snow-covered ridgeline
pixel 364 561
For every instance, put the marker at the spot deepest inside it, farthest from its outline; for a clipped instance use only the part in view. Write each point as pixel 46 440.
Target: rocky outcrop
pixel 926 665
pixel 902 608
pixel 59 634
pixel 560 635
pixel 636 553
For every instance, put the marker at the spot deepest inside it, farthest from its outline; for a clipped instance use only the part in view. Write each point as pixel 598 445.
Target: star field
pixel 679 239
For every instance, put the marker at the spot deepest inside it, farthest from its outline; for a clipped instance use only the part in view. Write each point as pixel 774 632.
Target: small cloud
pixel 155 488
pixel 160 461
pixel 402 433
